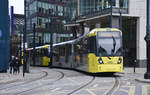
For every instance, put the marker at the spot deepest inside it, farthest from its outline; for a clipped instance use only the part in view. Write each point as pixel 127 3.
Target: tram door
pixel 129 41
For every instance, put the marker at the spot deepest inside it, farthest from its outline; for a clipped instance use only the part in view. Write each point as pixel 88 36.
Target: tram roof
pixel 94 31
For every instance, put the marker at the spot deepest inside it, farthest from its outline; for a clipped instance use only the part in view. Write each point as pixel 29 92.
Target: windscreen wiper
pixel 101 49
pixel 114 45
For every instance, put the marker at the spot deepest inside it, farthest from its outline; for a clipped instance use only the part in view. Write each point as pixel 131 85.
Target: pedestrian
pixel 15 66
pixel 11 64
pixel 18 65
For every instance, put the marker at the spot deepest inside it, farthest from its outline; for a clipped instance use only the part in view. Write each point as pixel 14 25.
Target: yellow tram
pixel 98 51
pixel 41 56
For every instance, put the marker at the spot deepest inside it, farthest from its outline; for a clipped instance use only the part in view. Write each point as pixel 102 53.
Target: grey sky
pixel 18 6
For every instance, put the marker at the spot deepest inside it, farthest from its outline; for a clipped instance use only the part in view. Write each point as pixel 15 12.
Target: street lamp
pixel 24 41
pixel 34 43
pixel 120 19
pixel 51 30
pixel 147 38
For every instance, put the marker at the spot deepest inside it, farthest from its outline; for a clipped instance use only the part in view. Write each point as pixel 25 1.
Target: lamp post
pixel 147 38
pixel 120 19
pixel 34 43
pixel 51 29
pixel 24 41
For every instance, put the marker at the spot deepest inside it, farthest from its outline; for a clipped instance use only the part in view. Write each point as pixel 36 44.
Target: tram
pixel 41 55
pixel 98 51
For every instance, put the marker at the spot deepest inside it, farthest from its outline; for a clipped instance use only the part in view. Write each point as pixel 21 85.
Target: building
pixel 96 13
pixel 16 36
pixel 41 12
pixel 79 16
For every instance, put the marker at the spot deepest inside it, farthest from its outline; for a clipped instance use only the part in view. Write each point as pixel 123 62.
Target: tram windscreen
pixel 109 44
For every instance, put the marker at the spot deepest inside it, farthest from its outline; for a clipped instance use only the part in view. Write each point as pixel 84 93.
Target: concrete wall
pixel 137 8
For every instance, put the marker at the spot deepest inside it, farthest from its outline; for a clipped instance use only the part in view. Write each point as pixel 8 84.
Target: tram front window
pixel 109 46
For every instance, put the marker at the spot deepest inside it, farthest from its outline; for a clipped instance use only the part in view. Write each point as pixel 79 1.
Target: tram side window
pixel 62 51
pixel 92 44
pixel 45 52
pixel 84 46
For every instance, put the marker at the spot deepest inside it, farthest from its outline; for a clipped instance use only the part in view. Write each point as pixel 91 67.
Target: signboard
pixel 4 36
pixel 108 34
pixel 26 45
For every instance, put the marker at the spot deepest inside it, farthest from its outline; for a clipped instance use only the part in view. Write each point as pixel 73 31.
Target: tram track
pixel 81 87
pixel 26 91
pixel 112 90
pixel 29 81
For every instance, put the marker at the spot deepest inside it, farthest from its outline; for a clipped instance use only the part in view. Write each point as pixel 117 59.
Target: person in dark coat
pixel 15 65
pixel 18 65
pixel 11 64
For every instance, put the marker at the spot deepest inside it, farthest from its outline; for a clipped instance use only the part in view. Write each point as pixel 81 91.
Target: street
pixel 45 81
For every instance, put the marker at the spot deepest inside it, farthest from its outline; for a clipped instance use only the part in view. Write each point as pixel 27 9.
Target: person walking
pixel 18 65
pixel 11 64
pixel 15 66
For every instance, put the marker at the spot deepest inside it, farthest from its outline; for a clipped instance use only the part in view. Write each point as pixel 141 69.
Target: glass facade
pixel 77 8
pixel 71 9
pixel 91 6
pixel 40 13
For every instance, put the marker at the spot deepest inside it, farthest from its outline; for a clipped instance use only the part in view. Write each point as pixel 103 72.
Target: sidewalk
pixel 10 78
pixel 138 75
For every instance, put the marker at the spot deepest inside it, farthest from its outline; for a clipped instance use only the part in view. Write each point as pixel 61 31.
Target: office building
pixel 41 12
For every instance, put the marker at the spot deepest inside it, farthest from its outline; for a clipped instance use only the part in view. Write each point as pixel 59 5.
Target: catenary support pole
pixel 51 41
pixel 120 20
pixel 24 41
pixel 34 43
pixel 147 38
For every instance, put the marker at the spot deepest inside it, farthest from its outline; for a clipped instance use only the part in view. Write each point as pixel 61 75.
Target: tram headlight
pixel 100 61
pixel 119 61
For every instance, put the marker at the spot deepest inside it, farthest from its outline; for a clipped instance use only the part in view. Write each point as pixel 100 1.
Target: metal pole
pixel 24 40
pixel 72 54
pixel 120 20
pixel 12 20
pixel 20 53
pixel 34 43
pixel 110 13
pixel 51 41
pixel 23 55
pixel 147 38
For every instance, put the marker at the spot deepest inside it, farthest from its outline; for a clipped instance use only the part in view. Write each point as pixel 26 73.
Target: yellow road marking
pixel 124 90
pixel 132 90
pixel 144 90
pixel 103 88
pixel 92 93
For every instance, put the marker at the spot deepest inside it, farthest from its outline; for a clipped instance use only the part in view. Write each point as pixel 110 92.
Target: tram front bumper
pixel 110 68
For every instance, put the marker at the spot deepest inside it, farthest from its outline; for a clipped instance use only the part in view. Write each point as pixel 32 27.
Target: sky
pixel 18 6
